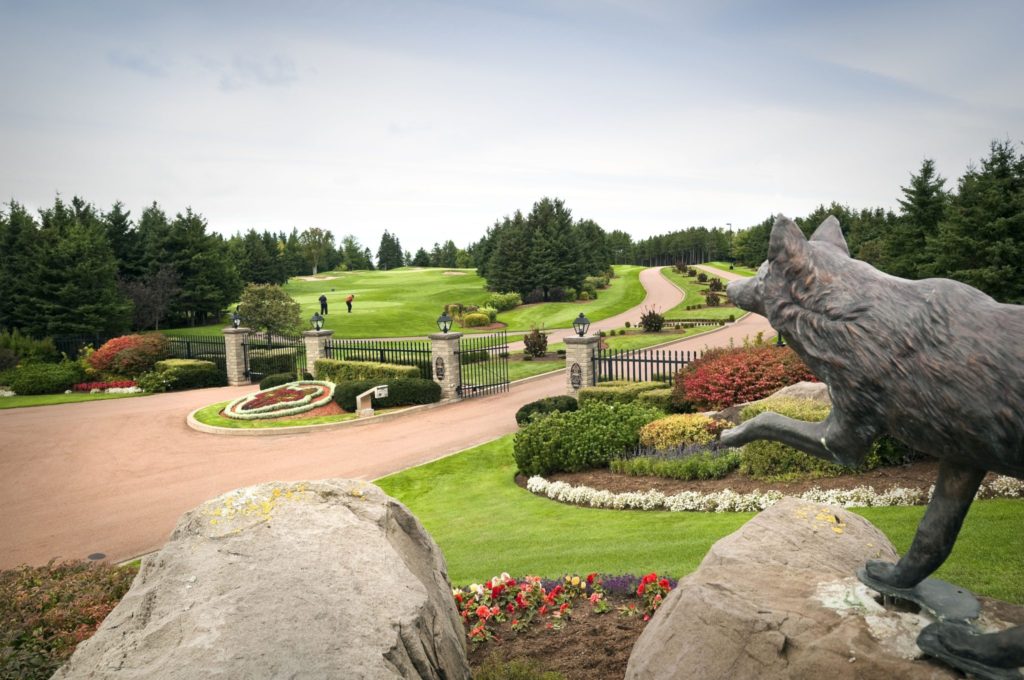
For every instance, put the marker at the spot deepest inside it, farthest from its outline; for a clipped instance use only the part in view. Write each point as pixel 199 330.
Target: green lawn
pixel 485 524
pixel 50 399
pixel 406 302
pixel 692 292
pixel 517 370
pixel 624 292
pixel 737 269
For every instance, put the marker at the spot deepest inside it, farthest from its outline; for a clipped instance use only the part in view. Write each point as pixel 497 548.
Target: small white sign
pixel 380 391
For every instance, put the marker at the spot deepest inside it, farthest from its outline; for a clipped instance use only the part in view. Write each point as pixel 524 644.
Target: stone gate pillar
pixel 579 363
pixel 316 347
pixel 444 363
pixel 234 355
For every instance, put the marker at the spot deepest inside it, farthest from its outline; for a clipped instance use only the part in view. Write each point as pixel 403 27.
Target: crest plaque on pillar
pixel 576 376
pixel 439 368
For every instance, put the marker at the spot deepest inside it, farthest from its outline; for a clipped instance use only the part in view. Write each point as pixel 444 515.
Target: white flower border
pixel 307 403
pixel 755 501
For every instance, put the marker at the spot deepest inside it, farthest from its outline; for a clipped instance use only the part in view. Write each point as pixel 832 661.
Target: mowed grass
pixel 624 292
pixel 693 296
pixel 20 401
pixel 737 269
pixel 406 302
pixel 485 524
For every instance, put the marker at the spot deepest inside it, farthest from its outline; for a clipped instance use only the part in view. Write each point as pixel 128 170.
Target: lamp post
pixel 444 322
pixel 316 321
pixel 580 324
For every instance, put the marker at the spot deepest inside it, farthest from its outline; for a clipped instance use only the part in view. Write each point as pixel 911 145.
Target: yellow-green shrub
pixel 679 430
pixel 615 392
pixel 336 370
pixel 475 319
pixel 764 459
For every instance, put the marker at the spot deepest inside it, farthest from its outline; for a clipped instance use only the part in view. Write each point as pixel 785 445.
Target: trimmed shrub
pixel 723 377
pixel 697 466
pixel 503 301
pixel 338 371
pixel 130 354
pixel 473 356
pixel 28 349
pixel 46 611
pixel 702 277
pixel 681 430
pixel 658 398
pixel 596 281
pixel 615 391
pixel 46 378
pixel 651 321
pixel 536 343
pixel 764 459
pixel 491 312
pixel 276 380
pixel 534 296
pixel 716 285
pixel 401 392
pixel 278 360
pixel 560 404
pixel 713 299
pixel 579 440
pixel 475 319
pixel 584 296
pixel 190 374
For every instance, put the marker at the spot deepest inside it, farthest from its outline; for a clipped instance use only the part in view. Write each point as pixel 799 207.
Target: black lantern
pixel 580 324
pixel 236 319
pixel 444 322
pixel 316 321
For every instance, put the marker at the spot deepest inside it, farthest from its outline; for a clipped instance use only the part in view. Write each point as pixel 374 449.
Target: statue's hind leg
pixel 954 491
pixel 1004 649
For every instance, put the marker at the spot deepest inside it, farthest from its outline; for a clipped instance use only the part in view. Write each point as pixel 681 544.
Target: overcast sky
pixel 432 119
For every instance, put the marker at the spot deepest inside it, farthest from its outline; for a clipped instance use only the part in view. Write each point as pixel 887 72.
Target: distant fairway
pixel 406 302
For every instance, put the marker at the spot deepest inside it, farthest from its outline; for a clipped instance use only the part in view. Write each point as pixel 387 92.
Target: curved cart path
pixel 113 476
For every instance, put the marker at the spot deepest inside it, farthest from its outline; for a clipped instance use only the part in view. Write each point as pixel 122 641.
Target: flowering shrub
pixel 651 320
pixel 721 378
pixel 530 598
pixel 131 354
pixel 286 400
pixel 755 501
pixel 535 343
pixel 46 611
pixel 102 385
pixel 680 430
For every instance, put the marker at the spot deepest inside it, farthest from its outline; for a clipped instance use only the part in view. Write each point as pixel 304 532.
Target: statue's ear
pixel 830 232
pixel 786 239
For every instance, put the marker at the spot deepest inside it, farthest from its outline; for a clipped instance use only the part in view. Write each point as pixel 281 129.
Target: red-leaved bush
pixel 102 385
pixel 130 354
pixel 725 377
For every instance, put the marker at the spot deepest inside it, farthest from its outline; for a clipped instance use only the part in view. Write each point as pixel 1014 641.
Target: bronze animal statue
pixel 934 363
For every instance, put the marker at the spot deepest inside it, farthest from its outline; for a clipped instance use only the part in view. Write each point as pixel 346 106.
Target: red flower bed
pixel 282 395
pixel 722 378
pixel 102 385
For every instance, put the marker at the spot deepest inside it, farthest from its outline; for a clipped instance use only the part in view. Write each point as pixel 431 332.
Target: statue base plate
pixel 930 644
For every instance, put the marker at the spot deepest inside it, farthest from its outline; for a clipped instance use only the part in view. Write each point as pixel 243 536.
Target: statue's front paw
pixel 890 574
pixel 732 437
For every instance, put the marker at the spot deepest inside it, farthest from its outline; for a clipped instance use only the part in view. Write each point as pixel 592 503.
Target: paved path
pixel 114 476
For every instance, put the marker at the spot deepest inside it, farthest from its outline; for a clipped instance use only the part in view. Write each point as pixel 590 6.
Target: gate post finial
pixel 234 354
pixel 445 366
pixel 579 363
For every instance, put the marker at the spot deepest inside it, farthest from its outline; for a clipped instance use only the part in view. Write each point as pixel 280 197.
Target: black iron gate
pixel 484 364
pixel 266 354
pixel 641 365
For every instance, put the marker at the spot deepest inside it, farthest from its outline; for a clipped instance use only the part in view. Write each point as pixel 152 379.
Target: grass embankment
pixel 50 399
pixel 406 302
pixel 736 269
pixel 485 524
pixel 693 296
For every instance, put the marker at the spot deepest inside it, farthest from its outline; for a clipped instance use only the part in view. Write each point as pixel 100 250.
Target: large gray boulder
pixel 779 598
pixel 330 579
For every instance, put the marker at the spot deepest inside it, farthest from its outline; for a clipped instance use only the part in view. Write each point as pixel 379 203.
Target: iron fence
pixel 484 364
pixel 267 354
pixel 405 352
pixel 205 347
pixel 654 365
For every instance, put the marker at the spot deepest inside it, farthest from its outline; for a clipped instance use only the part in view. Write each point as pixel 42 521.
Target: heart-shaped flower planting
pixel 286 400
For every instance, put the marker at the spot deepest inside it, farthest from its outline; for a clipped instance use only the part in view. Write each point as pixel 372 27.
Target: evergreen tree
pixel 125 242
pixel 22 269
pixel 591 242
pixel 448 255
pixel 620 247
pixel 509 267
pixel 293 260
pixel 421 258
pixel 922 208
pixel 553 256
pixel 389 254
pixel 981 239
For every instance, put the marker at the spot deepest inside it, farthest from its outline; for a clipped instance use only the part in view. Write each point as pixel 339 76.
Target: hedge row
pixel 338 371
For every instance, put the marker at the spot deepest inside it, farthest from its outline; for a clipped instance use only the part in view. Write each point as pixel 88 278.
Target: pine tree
pixel 22 269
pixel 389 254
pixel 421 258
